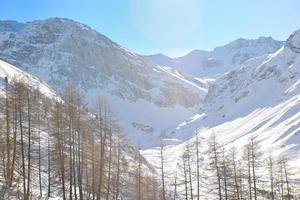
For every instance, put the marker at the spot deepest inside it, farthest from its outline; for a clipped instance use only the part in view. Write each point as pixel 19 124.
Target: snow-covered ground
pixel 13 73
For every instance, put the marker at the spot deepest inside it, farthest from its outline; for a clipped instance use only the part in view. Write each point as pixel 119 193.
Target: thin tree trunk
pixel 249 173
pixel 236 184
pixel 29 143
pixel 87 176
pixel 286 179
pixel 175 185
pixel 225 175
pixel 74 161
pixel 271 178
pixel 253 169
pixel 185 179
pixel 189 170
pixel 22 147
pixel 217 168
pixel 70 161
pixel 8 148
pixel 49 168
pixel 109 165
pixel 118 170
pixel 139 196
pixel 60 144
pixel 39 150
pixel 93 167
pixel 241 183
pixel 198 167
pixel 281 179
pixel 162 171
pixel 102 153
pixel 15 125
pixel 79 156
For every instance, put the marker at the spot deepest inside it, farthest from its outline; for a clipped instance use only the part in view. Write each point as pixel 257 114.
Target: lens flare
pixel 166 21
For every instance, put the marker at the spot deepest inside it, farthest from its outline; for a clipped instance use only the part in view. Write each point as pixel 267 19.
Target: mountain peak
pixel 62 21
pixel 59 24
pixel 196 52
pixel 55 24
pixel 294 41
pixel 54 30
pixel 160 55
pixel 264 38
pixel 248 42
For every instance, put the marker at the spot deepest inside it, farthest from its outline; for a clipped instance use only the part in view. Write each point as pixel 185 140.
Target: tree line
pixel 216 172
pixel 61 148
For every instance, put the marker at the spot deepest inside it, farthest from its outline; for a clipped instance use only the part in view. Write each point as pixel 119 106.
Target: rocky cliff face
pixel 294 41
pixel 61 50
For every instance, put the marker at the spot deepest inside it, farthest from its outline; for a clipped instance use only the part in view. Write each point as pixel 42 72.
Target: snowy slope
pixel 13 73
pixel 61 51
pixel 221 59
pixel 260 98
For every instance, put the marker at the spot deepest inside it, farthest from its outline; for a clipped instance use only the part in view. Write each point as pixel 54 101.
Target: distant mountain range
pixel 222 59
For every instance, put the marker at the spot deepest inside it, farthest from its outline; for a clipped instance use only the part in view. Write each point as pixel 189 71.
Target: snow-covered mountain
pixel 259 99
pixel 222 59
pixel 60 51
pixel 256 93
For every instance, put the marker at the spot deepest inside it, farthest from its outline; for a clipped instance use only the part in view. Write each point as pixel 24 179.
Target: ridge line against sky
pixel 171 27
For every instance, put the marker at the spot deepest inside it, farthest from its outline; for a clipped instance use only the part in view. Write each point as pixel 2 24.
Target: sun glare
pixel 166 21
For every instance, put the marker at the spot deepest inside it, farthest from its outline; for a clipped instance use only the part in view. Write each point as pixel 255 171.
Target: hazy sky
pixel 172 27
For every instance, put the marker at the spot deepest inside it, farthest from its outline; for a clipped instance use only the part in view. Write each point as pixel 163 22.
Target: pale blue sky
pixel 172 27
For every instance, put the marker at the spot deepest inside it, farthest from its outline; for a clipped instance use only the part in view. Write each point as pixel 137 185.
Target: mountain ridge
pixel 211 63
